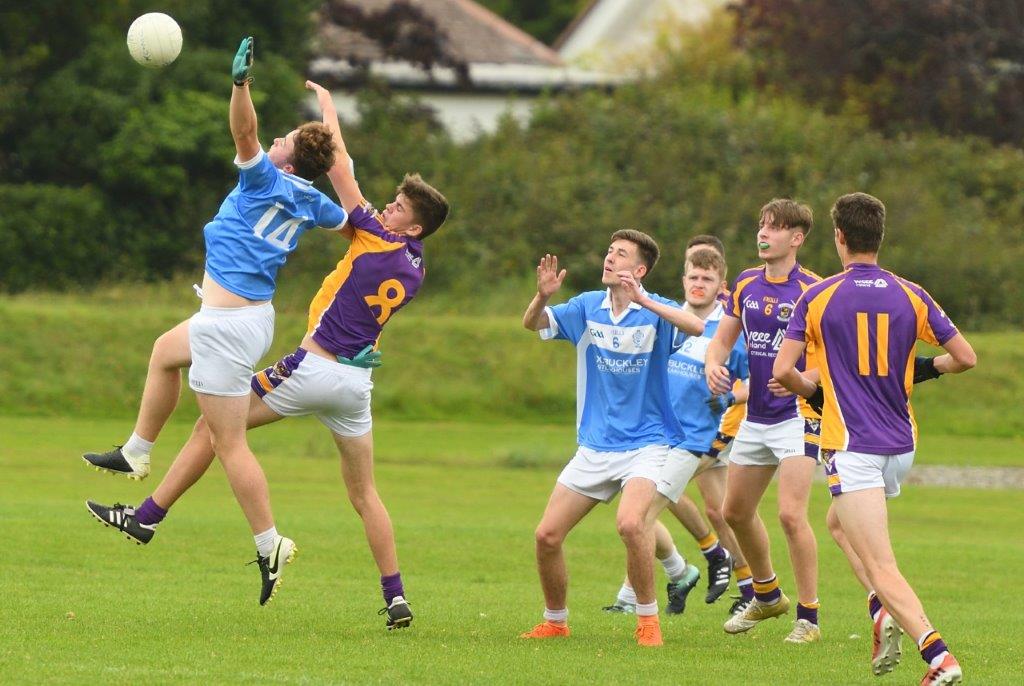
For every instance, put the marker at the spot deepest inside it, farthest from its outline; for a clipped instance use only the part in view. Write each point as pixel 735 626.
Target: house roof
pixel 489 54
pixel 472 34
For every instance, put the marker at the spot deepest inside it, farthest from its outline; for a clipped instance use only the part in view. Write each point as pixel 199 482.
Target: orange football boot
pixel 547 629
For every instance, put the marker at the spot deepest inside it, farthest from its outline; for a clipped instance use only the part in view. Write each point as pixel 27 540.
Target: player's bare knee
pixel 715 517
pixel 735 516
pixel 363 499
pixel 792 521
pixel 630 527
pixel 548 538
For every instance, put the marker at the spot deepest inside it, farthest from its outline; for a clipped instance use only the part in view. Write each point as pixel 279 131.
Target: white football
pixel 154 40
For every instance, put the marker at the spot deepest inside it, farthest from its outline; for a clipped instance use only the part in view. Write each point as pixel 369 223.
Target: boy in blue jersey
pixel 779 433
pixel 699 413
pixel 626 428
pixel 257 226
pixel 864 323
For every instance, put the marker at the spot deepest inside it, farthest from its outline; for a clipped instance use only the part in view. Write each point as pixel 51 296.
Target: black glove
pixel 720 403
pixel 816 400
pixel 924 369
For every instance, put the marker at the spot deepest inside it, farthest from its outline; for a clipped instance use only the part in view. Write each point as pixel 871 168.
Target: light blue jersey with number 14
pixel 259 224
pixel 622 400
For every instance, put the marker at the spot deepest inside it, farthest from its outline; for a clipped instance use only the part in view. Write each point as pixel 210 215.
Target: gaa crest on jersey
pixel 785 311
pixel 638 338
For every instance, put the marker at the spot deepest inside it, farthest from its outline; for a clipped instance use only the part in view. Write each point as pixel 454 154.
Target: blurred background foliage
pixel 108 171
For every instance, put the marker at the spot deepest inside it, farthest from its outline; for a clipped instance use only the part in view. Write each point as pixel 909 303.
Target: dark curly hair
pixel 314 150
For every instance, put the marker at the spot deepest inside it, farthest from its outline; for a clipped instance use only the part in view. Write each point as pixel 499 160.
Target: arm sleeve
pixel 331 215
pixel 365 218
pixel 256 175
pixel 797 329
pixel 936 328
pixel 568 321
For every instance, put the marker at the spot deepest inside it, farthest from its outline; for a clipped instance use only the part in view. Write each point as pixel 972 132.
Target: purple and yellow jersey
pixel 380 272
pixel 864 323
pixel 764 307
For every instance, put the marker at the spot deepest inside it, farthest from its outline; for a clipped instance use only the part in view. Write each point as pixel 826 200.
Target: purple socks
pixel 149 513
pixel 391 586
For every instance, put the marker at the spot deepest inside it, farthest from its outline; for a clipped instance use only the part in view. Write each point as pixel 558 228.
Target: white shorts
pixel 302 383
pixel 226 343
pixel 601 475
pixel 847 471
pixel 766 445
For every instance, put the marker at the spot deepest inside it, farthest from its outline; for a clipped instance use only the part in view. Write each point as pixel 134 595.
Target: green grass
pixel 183 609
pixel 86 356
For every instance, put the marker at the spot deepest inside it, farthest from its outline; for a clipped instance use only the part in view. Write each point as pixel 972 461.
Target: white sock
pixel 136 447
pixel 556 615
pixel 646 610
pixel 675 565
pixel 626 596
pixel 265 541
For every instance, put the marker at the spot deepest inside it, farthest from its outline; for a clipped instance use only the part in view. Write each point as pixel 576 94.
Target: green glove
pixel 242 65
pixel 367 358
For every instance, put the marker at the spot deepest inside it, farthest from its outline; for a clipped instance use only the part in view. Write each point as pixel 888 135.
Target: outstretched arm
pixel 549 280
pixel 341 174
pixel 242 114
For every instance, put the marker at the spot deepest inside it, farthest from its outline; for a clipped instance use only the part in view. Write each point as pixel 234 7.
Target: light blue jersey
pixel 259 224
pixel 688 387
pixel 622 398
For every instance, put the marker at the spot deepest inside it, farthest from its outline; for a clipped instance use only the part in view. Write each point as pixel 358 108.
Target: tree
pixel 955 65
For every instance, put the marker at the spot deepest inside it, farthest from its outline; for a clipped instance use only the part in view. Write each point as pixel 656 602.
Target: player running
pixel 779 434
pixel 864 323
pixel 329 374
pixel 626 428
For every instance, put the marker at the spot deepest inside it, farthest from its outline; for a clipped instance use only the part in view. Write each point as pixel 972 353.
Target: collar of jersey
pixel 297 179
pixel 715 314
pixel 606 304
pixel 790 275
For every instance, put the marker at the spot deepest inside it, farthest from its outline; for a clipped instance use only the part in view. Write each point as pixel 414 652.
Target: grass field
pixel 465 499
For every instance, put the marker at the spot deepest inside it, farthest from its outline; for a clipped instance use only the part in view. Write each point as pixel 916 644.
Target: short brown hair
pixel 707 239
pixel 707 258
pixel 428 205
pixel 314 150
pixel 861 218
pixel 647 246
pixel 789 214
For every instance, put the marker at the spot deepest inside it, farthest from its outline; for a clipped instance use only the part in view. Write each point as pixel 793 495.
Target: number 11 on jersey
pixel 881 344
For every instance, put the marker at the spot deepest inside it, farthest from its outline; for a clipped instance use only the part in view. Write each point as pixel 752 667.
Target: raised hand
pixel 320 91
pixel 549 279
pixel 241 68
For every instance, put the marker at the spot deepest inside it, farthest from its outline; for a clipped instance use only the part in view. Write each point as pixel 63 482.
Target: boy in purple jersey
pixel 778 434
pixel 864 324
pixel 328 375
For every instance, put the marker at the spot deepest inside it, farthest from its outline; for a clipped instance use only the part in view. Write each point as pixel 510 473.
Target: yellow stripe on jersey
pixel 363 243
pixel 863 345
pixel 924 329
pixel 833 431
pixel 740 285
pixel 882 344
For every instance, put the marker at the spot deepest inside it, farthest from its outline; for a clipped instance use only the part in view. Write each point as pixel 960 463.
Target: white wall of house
pixel 465 115
pixel 618 35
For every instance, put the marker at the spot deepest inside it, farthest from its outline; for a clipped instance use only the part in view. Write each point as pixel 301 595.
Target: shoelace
pixel 385 609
